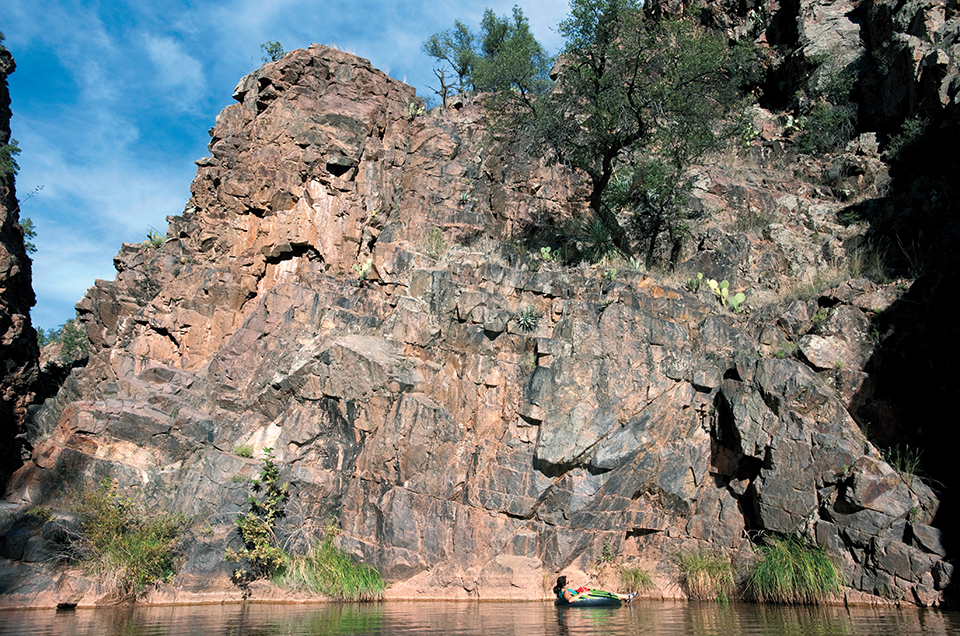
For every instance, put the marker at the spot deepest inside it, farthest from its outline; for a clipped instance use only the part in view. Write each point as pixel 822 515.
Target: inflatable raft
pixel 596 598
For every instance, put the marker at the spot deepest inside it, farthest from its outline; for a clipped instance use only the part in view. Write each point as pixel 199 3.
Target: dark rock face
pixel 477 418
pixel 18 341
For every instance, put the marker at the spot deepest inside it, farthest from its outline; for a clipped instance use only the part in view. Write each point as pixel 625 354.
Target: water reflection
pixel 482 619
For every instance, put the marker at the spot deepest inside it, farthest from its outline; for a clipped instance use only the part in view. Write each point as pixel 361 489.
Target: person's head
pixel 561 583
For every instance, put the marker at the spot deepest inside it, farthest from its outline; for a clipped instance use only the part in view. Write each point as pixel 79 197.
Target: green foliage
pixel 607 554
pixel 29 233
pixel 243 450
pixel 527 319
pixel 550 255
pixel 610 274
pixel 791 570
pixel 327 570
pixel 363 270
pixel 693 284
pixel 8 165
pixel 434 244
pixel 155 239
pixel 634 578
pixel 828 127
pixel 273 49
pixel 637 101
pixel 593 239
pixel 71 337
pixel 904 460
pixel 830 119
pixel 503 58
pixel 456 48
pixel 908 140
pixel 722 290
pixel 705 576
pixel 261 551
pixel 785 349
pixel 511 61
pixel 122 543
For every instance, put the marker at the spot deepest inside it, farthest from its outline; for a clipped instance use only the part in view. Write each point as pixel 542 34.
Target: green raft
pixel 596 598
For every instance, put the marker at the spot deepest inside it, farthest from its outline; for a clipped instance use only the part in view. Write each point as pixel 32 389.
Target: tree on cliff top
pixel 637 100
pixel 504 57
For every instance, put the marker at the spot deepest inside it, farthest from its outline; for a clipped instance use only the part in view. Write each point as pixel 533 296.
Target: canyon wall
pixel 358 285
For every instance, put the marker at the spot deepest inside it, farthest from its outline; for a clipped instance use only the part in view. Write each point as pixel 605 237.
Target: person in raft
pixel 571 595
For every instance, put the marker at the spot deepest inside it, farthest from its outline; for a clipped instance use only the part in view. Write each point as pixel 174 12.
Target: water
pixel 480 619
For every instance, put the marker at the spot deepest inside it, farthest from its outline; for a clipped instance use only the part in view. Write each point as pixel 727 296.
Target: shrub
pixel 124 546
pixel 73 341
pixel 791 570
pixel 327 570
pixel 261 551
pixel 705 576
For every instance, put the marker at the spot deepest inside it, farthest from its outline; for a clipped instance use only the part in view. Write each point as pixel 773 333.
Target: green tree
pixel 274 51
pixel 504 57
pixel 29 233
pixel 8 165
pixel 637 100
pixel 73 341
pixel 454 47
pixel 511 59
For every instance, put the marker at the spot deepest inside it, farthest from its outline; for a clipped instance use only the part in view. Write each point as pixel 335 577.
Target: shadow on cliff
pixel 909 403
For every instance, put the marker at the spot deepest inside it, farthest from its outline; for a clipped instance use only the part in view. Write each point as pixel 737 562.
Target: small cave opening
pixel 338 170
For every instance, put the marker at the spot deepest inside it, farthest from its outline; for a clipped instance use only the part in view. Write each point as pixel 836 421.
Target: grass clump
pixel 434 244
pixel 904 460
pixel 243 450
pixel 790 570
pixel 705 576
pixel 634 578
pixel 327 570
pixel 126 548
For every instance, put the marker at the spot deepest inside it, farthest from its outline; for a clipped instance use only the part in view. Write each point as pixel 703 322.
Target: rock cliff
pixel 18 341
pixel 358 285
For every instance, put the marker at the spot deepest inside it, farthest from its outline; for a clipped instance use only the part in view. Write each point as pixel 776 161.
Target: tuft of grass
pixel 434 245
pixel 634 578
pixel 705 576
pixel 123 545
pixel 790 570
pixel 243 450
pixel 327 570
pixel 904 460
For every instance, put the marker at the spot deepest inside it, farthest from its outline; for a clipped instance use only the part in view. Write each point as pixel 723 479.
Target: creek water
pixel 481 619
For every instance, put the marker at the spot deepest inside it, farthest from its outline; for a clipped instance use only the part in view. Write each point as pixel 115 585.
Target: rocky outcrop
pixel 360 288
pixel 18 341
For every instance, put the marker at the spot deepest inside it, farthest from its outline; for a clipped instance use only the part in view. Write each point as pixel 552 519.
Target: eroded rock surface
pixel 345 287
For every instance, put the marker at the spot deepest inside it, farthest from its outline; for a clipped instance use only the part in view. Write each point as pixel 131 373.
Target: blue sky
pixel 112 101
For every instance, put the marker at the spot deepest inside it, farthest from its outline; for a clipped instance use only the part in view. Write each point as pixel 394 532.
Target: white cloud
pixel 176 70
